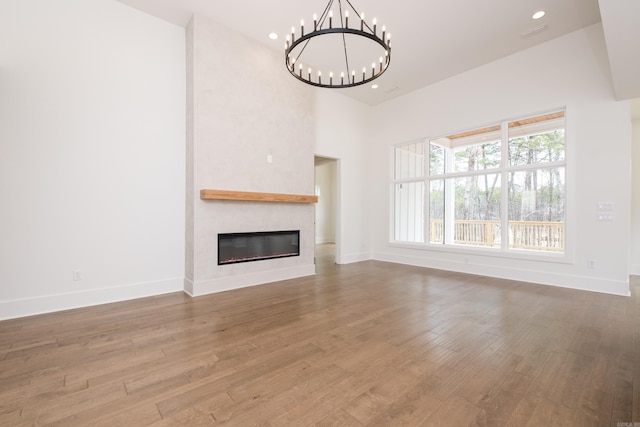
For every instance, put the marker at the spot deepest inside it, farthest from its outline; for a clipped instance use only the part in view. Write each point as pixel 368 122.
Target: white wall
pixel 634 261
pixel 244 107
pixel 91 155
pixel 572 72
pixel 342 132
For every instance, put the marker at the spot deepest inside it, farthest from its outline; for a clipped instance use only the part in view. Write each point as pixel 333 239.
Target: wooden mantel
pixel 256 197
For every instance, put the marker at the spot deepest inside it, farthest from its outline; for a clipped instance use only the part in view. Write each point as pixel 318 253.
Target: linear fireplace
pixel 245 247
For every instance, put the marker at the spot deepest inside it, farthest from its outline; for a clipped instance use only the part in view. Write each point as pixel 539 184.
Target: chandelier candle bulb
pixel 364 72
pixel 331 78
pixel 302 28
pixel 320 77
pixel 330 18
pixel 362 21
pixel 293 34
pixel 375 21
pixel 384 30
pixel 315 22
pixel 346 19
pixel 309 74
pixel 353 76
pixel 342 78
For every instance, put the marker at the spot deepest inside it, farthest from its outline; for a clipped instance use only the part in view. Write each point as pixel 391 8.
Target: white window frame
pixel 567 256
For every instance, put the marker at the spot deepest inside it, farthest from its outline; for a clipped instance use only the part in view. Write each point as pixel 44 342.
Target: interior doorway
pixel 326 219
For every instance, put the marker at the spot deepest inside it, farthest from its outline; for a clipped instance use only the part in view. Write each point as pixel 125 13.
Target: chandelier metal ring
pixel 351 79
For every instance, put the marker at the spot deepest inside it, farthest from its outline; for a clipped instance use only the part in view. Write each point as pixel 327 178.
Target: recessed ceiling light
pixel 273 36
pixel 374 86
pixel 539 14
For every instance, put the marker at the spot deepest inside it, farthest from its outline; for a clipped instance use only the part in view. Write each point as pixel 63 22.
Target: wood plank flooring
pixel 366 344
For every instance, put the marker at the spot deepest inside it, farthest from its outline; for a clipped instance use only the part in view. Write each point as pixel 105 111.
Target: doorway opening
pixel 327 230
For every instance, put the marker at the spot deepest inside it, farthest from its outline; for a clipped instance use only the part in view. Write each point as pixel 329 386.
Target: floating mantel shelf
pixel 256 197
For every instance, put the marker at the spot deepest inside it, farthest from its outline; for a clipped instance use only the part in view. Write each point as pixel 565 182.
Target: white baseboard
pixel 584 283
pixel 634 269
pixel 321 240
pixel 351 258
pixel 228 283
pixel 50 303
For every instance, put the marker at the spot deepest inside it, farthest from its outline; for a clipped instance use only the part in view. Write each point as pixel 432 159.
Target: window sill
pixel 559 258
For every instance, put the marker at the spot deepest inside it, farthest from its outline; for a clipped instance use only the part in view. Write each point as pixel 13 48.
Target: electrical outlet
pixel 77 275
pixel 591 264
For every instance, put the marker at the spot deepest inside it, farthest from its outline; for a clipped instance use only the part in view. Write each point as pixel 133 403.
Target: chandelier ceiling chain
pixel 320 29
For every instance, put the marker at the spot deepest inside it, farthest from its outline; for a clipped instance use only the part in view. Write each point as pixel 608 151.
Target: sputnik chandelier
pixel 368 40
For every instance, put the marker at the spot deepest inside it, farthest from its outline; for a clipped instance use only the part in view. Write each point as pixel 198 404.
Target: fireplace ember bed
pixel 257 246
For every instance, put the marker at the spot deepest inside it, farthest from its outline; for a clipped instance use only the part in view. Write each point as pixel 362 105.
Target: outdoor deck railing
pixel 537 235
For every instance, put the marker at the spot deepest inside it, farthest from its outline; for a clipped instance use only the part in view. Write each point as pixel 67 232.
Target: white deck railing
pixel 535 235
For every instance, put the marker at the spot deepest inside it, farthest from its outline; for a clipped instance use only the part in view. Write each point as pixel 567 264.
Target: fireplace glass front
pixel 244 247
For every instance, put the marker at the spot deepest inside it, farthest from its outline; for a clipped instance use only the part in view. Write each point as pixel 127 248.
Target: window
pixel 409 192
pixel 499 187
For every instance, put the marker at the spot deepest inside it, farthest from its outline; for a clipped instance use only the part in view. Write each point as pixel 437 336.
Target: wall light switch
pixel 604 211
pixel 605 206
pixel 269 158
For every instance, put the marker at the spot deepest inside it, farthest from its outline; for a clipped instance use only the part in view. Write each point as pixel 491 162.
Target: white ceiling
pixel 431 39
pixel 621 23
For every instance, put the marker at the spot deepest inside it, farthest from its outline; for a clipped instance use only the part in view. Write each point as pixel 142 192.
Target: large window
pixel 500 187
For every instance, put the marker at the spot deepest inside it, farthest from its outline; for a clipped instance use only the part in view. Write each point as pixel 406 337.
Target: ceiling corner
pixel 622 37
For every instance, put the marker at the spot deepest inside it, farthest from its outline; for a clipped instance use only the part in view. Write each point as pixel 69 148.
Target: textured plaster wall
pixel 242 108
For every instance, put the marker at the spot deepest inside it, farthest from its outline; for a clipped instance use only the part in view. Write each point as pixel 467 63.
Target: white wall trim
pixel 634 269
pixel 355 257
pixel 326 239
pixel 67 301
pixel 228 283
pixel 571 281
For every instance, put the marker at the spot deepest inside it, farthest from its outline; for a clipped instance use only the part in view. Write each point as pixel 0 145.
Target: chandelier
pixel 345 46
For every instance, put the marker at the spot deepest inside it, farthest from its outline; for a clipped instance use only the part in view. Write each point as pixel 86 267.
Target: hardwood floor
pixel 371 343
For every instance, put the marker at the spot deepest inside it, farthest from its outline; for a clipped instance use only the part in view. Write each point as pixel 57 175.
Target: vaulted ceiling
pixel 434 39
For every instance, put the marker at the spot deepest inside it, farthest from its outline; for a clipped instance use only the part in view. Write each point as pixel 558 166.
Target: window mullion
pixel 448 221
pixel 504 198
pixel 533 166
pixel 425 191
